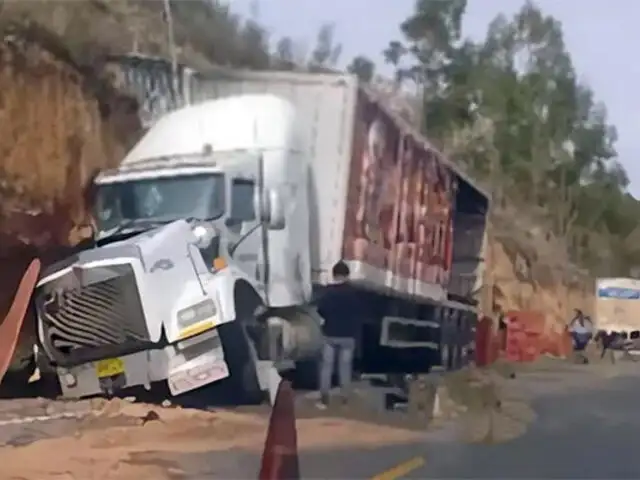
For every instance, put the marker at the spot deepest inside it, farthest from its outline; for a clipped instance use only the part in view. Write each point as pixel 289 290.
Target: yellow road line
pixel 401 469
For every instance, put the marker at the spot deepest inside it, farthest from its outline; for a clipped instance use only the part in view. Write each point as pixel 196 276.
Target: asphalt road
pixel 587 432
pixel 591 434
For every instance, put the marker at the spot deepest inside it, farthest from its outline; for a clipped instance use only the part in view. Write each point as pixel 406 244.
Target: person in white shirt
pixel 581 329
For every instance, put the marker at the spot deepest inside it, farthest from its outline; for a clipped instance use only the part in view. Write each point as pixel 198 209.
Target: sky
pixel 602 38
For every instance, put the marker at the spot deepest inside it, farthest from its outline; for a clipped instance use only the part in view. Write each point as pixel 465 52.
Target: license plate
pixel 197 376
pixel 109 368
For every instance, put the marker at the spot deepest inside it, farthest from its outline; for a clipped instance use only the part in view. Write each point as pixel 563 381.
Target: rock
pixel 111 407
pixel 150 416
pixel 97 403
pixel 50 409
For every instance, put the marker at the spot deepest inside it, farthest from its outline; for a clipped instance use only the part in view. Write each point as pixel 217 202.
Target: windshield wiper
pixel 137 224
pixel 121 228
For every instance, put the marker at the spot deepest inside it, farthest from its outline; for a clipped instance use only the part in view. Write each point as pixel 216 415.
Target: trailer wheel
pixel 240 356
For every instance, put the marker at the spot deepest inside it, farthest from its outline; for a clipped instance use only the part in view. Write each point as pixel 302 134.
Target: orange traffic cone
pixel 12 324
pixel 280 455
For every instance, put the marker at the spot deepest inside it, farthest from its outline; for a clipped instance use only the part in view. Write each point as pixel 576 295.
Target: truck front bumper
pixel 185 366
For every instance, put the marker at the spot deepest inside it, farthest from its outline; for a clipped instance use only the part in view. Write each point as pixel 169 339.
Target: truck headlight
pixel 197 313
pixel 204 233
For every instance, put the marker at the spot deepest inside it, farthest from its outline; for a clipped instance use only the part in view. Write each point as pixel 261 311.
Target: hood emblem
pixel 162 264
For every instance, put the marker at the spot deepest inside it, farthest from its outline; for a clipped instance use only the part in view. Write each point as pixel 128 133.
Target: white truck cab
pixel 203 224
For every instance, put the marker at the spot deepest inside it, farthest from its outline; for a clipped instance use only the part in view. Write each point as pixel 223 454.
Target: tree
pixel 326 52
pixel 284 56
pixel 363 68
pixel 512 109
pixel 254 46
pixel 431 40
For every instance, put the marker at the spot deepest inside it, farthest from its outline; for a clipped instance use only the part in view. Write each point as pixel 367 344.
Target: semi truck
pixel 220 226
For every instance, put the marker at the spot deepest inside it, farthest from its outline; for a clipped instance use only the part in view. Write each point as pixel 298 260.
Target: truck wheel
pixel 306 375
pixel 239 355
pixel 16 380
pixel 49 384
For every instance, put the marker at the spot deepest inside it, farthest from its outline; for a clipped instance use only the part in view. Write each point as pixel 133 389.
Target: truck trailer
pixel 220 224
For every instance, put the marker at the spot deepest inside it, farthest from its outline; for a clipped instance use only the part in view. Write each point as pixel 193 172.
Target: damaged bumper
pixel 185 366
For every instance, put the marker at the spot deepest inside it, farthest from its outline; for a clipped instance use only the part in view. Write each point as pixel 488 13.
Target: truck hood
pixel 147 247
pixel 165 271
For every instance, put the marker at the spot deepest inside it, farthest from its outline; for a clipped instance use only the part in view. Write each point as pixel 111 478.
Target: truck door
pixel 245 231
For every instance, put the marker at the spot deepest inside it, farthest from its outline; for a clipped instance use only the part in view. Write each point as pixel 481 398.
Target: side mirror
pixel 273 213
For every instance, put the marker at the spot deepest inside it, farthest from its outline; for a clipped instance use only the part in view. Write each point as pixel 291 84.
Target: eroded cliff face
pixel 59 125
pixel 516 283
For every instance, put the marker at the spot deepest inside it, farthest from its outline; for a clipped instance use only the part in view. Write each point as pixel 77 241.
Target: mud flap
pixel 12 324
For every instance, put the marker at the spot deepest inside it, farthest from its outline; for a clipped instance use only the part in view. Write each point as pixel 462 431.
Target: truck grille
pixel 88 322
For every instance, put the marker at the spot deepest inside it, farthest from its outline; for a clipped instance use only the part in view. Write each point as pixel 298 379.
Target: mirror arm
pixel 235 246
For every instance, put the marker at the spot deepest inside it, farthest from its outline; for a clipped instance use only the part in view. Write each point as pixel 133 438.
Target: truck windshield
pixel 162 199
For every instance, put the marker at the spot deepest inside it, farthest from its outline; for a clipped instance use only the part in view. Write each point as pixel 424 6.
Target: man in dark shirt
pixel 342 310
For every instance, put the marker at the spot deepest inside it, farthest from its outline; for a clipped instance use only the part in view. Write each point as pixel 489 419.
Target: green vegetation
pixel 512 110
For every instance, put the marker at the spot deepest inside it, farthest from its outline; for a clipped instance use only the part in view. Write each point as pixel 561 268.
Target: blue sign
pixel 619 293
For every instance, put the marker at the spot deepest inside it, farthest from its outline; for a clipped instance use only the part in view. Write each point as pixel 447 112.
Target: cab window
pixel 242 200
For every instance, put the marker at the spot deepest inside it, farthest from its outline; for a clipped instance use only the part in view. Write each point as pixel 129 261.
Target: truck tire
pixel 306 374
pixel 240 357
pixel 16 380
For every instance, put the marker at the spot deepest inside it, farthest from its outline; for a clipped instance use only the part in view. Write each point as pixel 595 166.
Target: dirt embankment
pixel 523 275
pixel 59 124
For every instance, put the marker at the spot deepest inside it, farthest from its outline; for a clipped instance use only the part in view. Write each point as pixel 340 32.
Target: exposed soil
pixel 118 442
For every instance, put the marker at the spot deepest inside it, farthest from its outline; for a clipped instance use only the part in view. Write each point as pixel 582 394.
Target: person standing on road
pixel 581 329
pixel 342 309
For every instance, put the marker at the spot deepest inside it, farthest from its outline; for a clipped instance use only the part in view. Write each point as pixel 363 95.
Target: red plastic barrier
pixel 527 320
pixel 525 336
pixel 558 344
pixel 531 347
pixel 513 344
